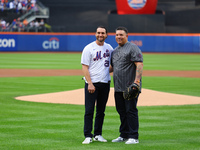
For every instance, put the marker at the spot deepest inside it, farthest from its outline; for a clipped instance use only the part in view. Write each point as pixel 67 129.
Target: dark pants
pixel 128 113
pixel 100 96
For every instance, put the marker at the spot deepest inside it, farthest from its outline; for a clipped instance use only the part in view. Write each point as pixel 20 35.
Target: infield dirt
pixel 147 97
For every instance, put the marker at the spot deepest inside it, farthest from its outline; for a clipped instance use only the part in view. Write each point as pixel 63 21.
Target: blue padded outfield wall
pixel 75 42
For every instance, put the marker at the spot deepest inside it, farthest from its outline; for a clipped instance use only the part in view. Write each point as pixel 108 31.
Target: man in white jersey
pixel 95 62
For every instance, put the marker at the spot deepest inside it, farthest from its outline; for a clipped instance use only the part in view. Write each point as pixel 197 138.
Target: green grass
pixel 172 62
pixel 40 61
pixel 177 85
pixel 72 61
pixel 29 125
pixel 42 126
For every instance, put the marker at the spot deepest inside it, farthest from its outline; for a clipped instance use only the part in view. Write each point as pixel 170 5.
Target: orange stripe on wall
pixel 93 33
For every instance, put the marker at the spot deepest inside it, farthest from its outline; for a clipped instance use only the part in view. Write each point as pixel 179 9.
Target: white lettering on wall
pixel 7 43
pixel 53 43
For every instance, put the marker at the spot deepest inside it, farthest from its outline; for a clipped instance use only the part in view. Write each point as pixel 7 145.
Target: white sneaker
pixel 119 139
pixel 99 138
pixel 132 141
pixel 87 140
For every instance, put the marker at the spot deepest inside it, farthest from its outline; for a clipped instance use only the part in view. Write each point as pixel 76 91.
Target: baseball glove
pixel 131 92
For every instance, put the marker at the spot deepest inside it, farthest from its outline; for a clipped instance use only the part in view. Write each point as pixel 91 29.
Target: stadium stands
pixel 181 16
pixel 17 15
pixel 176 16
pixel 172 16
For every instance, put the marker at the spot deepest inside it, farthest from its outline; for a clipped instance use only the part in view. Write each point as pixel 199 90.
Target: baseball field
pixel 56 126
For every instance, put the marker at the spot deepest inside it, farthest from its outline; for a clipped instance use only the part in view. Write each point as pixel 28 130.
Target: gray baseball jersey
pixel 124 69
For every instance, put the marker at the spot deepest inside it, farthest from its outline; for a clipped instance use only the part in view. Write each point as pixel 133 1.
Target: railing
pixel 39 11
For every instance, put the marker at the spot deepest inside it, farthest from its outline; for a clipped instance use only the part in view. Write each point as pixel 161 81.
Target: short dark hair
pixel 122 28
pixel 103 28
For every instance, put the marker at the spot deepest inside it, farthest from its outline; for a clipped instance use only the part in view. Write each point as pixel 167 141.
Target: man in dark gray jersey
pixel 127 68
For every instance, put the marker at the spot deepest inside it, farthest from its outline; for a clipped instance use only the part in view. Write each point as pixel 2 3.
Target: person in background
pixel 11 6
pixel 41 23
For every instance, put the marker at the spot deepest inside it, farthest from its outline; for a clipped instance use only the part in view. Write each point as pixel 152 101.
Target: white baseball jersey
pixel 98 59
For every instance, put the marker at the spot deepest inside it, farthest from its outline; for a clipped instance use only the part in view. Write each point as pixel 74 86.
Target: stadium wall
pixel 75 42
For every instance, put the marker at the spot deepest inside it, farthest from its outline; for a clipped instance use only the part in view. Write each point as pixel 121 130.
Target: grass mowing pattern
pixel 30 126
pixel 170 127
pixel 177 85
pixel 40 61
pixel 172 62
pixel 42 126
pixel 72 61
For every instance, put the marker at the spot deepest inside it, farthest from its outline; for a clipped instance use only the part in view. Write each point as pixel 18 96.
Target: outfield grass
pixel 72 61
pixel 40 61
pixel 42 126
pixel 172 62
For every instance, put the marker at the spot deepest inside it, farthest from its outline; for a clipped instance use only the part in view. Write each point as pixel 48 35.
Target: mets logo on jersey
pixel 137 4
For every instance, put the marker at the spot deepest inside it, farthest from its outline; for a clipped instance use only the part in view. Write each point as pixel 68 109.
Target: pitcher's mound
pixel 146 98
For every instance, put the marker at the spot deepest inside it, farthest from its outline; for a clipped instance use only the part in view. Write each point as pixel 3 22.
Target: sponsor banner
pixel 167 43
pixel 39 43
pixel 164 43
pixel 75 43
pixel 8 42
